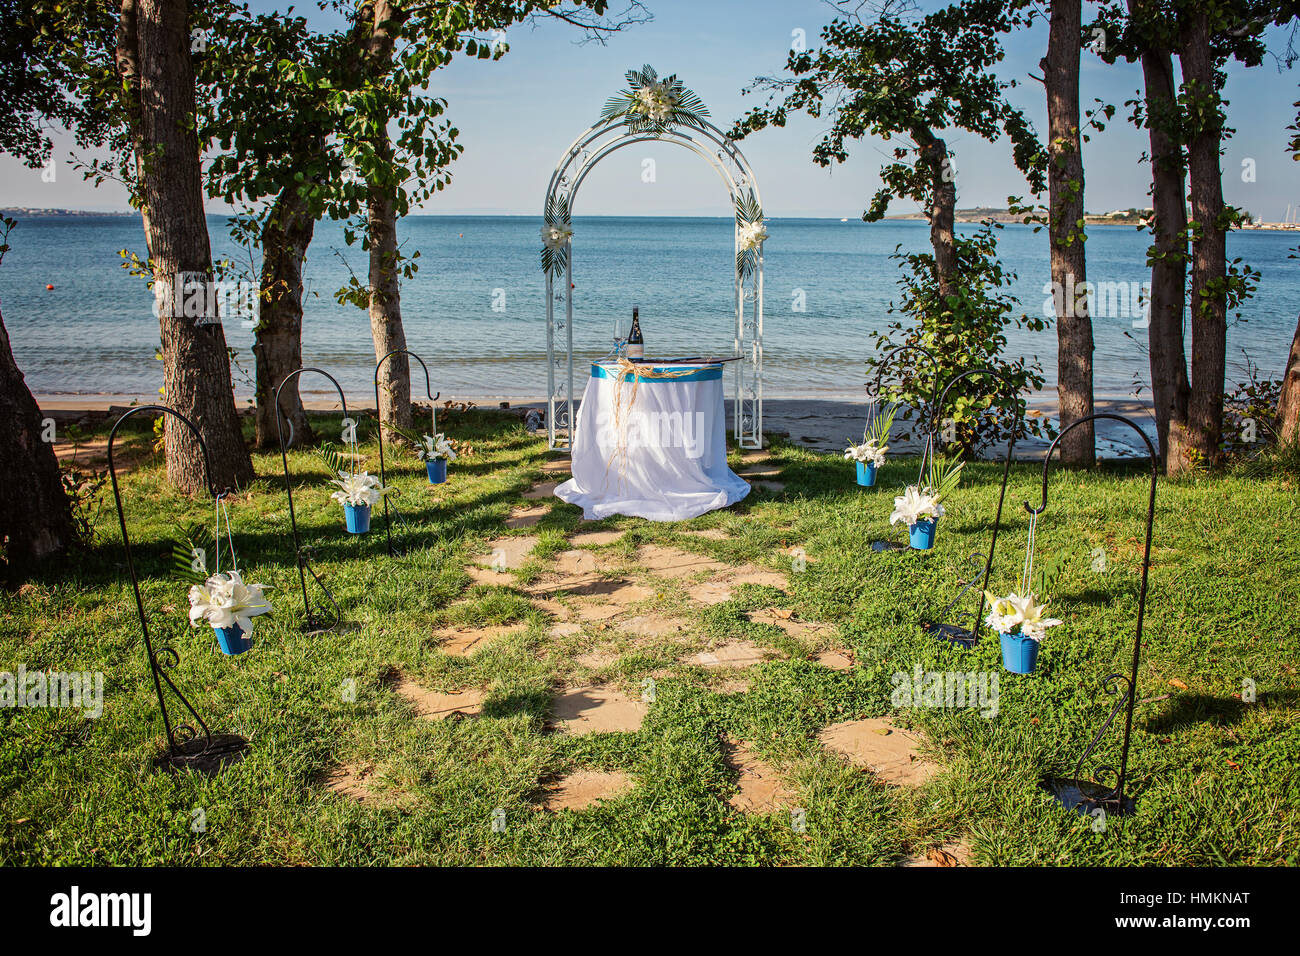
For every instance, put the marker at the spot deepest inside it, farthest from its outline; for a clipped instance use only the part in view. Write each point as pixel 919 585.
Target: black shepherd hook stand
pixel 185 748
pixel 1078 793
pixel 312 624
pixel 383 478
pixel 881 366
pixel 966 637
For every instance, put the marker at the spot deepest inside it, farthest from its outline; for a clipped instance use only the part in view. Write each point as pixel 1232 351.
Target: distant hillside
pixel 1132 217
pixel 26 211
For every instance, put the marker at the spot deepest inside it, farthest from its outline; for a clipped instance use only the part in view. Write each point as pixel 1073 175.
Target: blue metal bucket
pixel 357 518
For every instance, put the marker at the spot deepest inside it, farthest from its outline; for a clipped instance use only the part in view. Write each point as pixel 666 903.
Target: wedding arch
pixel 654 110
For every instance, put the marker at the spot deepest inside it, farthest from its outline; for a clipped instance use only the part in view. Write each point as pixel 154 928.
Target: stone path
pixel 891 753
pixel 759 787
pixel 597 709
pixel 582 788
pixel 435 706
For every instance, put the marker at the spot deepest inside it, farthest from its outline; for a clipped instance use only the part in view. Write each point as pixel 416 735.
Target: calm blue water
pixel 95 332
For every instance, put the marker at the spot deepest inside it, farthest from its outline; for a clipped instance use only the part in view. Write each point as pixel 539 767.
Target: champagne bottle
pixel 635 343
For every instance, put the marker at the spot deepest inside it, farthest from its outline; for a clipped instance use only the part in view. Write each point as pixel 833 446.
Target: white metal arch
pixel 710 143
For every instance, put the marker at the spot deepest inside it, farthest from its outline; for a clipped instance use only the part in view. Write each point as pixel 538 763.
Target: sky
pixel 517 115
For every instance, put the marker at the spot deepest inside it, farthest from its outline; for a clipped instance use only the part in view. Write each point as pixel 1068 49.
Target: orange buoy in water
pixel 49 287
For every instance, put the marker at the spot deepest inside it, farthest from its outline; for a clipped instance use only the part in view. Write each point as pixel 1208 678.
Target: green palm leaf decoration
pixel 749 220
pixel 556 225
pixel 652 105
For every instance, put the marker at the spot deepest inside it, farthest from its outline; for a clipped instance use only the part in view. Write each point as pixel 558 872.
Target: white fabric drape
pixel 654 448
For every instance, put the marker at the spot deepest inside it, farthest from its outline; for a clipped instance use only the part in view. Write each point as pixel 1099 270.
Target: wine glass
pixel 622 329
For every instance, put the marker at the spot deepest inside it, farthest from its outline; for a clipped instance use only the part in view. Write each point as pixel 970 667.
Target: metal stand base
pixel 1084 797
pixel 957 636
pixel 207 758
pixel 881 547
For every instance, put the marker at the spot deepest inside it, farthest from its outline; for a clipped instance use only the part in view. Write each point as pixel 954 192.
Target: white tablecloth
pixel 653 448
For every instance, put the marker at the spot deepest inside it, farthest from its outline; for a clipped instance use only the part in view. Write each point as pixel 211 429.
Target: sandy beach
pixel 818 424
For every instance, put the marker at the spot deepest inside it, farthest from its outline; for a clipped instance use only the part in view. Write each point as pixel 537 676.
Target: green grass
pixel 1214 776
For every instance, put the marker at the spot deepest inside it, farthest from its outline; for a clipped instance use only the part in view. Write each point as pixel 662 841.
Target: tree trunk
pixel 942 211
pixel 1169 387
pixel 1209 241
pixel 1065 204
pixel 154 50
pixel 385 287
pixel 278 345
pixel 1288 403
pixel 35 514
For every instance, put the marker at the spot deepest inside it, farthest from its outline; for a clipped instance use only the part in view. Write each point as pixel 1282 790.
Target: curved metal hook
pixel 1116 794
pixel 156 664
pixel 883 364
pixel 288 485
pixel 383 474
pixel 1151 452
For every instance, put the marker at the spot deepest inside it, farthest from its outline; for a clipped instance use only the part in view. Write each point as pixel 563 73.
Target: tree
pixel 912 78
pixel 157 75
pixel 1288 402
pixel 35 511
pixel 1066 230
pixel 1188 129
pixel 270 132
pixel 398 45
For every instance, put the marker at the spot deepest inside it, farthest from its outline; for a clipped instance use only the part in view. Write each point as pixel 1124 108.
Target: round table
pixel 652 444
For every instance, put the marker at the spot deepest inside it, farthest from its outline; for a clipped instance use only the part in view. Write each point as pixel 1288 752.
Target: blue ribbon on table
pixel 708 374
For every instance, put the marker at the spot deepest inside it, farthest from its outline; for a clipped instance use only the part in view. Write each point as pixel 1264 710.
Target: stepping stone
pixel 597 709
pixel 956 853
pixel 487 576
pixel 712 534
pixel 891 753
pixel 599 612
pixel 359 782
pixel 835 660
pixel 594 539
pixel 751 456
pixel 740 686
pixel 770 487
pixel 674 563
pixel 527 517
pixel 595 659
pixel 731 654
pixel 710 592
pixel 652 625
pixel 760 788
pixel 769 471
pixel 582 788
pixel 461 642
pixel 557 466
pixel 771 579
pixel 786 621
pixel 575 562
pixel 434 706
pixel 565 629
pixel 509 552
pixel 542 491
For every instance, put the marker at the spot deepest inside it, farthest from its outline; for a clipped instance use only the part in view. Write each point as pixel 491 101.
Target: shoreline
pixel 818 424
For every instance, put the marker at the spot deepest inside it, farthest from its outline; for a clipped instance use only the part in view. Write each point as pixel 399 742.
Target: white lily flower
pixel 915 504
pixel 224 600
pixel 1015 614
pixel 556 234
pixel 656 101
pixel 436 446
pixel 751 235
pixel 867 452
pixel 359 489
